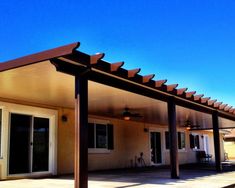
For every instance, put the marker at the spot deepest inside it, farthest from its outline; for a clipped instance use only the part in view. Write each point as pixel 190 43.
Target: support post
pixel 215 123
pixel 81 132
pixel 173 138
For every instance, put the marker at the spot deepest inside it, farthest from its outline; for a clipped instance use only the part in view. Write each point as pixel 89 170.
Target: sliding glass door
pixel 156 151
pixel 40 144
pixel 19 144
pixel 29 144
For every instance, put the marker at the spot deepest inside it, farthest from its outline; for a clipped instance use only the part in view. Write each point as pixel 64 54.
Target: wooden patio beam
pixel 115 66
pixel 198 97
pixel 216 136
pixel 227 108
pixel 133 72
pixel 189 94
pixel 211 102
pixel 231 110
pixel 181 91
pixel 217 104
pixel 171 87
pixel 94 59
pixel 147 78
pixel 222 106
pixel 174 160
pixel 159 83
pixel 204 100
pixel 81 132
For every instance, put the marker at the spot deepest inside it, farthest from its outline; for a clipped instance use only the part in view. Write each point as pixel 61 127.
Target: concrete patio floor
pixel 147 178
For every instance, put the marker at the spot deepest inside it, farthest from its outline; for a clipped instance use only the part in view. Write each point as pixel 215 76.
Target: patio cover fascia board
pixel 39 57
pixel 68 60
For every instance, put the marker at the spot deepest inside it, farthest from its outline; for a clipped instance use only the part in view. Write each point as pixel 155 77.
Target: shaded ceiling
pixel 40 83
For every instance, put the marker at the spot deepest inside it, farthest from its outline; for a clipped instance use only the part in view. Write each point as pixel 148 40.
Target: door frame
pixel 51 114
pixel 161 131
pixel 206 147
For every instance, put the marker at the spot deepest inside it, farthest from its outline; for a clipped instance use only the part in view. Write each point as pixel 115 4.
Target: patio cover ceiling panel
pixel 103 67
pixel 111 102
pixel 226 123
pixel 196 118
pixel 41 84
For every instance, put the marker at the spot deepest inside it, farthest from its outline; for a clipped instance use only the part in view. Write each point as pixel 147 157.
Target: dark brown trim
pixel 211 128
pixel 38 57
pixel 229 139
pixel 81 132
pixel 216 136
pixel 159 83
pixel 173 138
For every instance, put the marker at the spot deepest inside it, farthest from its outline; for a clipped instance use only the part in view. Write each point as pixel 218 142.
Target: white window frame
pixel 185 144
pixel 99 150
pixel 179 150
pixel 195 134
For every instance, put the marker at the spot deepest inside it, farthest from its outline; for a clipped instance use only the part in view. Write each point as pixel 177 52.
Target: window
pixel 100 136
pixel 0 132
pixel 181 140
pixel 167 140
pixel 194 141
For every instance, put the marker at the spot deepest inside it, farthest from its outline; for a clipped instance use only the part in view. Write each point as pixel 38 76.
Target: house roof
pixel 114 75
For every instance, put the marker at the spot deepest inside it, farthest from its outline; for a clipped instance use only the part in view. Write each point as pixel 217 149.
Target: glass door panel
pixel 29 144
pixel 40 144
pixel 19 155
pixel 156 153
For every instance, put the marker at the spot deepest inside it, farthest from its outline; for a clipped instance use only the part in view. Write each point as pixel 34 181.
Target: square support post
pixel 81 132
pixel 215 123
pixel 173 138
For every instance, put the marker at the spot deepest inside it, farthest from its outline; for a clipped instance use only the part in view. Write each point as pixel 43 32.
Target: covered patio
pixel 54 77
pixel 196 178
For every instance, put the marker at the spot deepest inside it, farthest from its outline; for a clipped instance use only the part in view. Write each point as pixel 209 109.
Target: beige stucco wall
pixel 129 140
pixel 65 140
pixel 127 145
pixel 189 155
pixel 229 148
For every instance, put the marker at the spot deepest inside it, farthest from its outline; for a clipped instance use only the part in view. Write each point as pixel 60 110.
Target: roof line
pixel 38 57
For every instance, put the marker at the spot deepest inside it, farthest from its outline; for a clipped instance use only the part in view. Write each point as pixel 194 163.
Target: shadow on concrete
pixel 157 175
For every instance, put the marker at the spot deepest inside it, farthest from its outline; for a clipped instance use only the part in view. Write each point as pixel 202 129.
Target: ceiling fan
pixel 189 125
pixel 127 115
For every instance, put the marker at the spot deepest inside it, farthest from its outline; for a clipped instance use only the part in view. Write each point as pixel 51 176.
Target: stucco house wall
pixel 129 140
pixel 229 148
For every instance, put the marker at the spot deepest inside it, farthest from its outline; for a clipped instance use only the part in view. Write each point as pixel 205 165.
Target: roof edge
pixel 38 57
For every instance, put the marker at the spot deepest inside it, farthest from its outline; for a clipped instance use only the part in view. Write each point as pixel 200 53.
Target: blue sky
pixel 190 42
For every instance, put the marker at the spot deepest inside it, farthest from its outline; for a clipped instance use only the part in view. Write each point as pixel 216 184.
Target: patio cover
pixel 104 78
